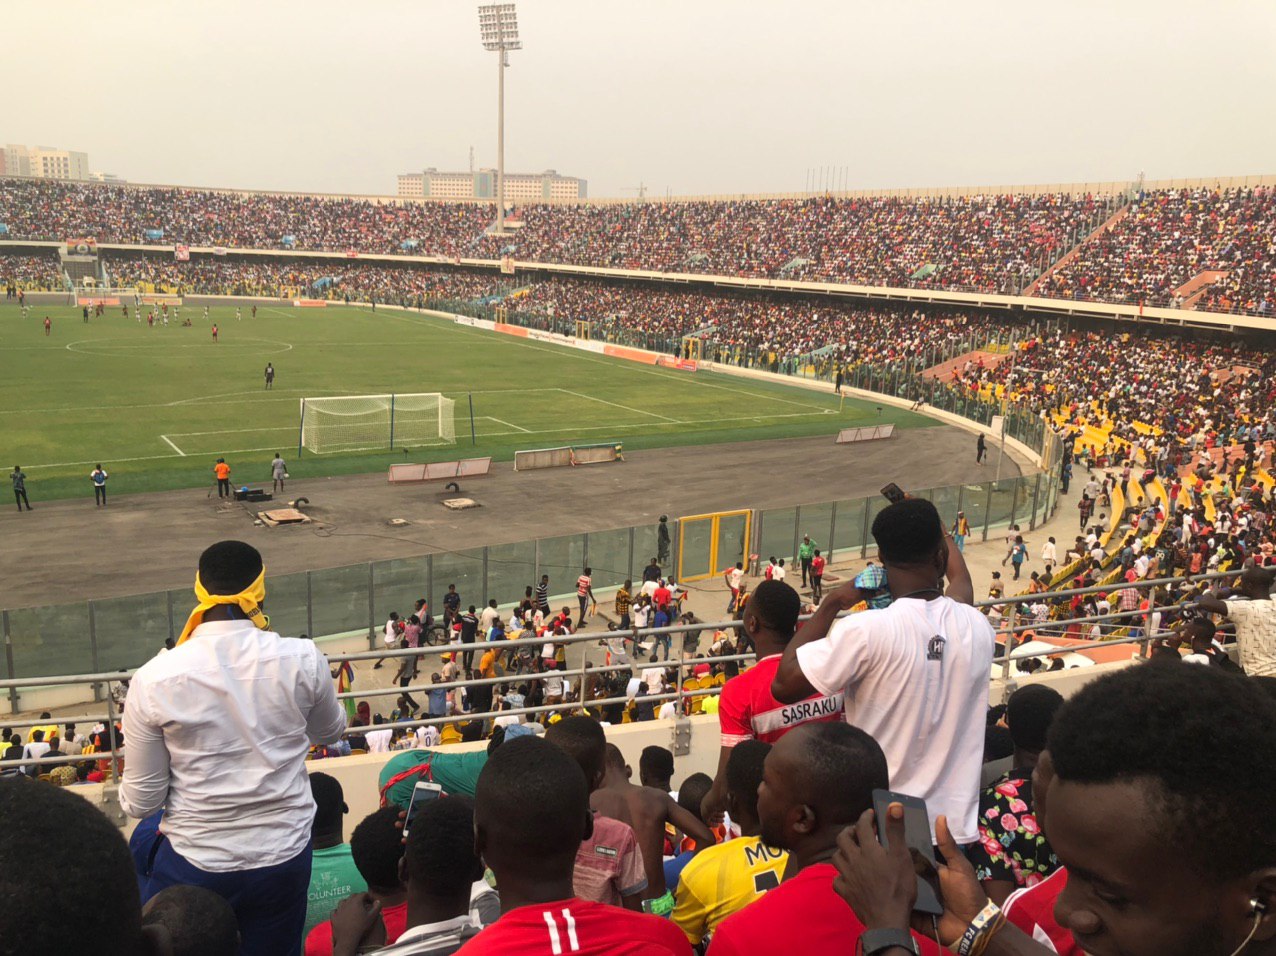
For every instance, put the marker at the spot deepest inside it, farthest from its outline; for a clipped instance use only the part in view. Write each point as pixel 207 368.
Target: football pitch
pixel 157 406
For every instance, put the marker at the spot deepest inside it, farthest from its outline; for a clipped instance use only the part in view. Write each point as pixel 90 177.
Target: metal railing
pixel 353 601
pixel 679 693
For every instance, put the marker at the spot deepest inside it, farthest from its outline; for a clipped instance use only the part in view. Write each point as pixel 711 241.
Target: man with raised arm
pixel 746 708
pixel 648 810
pixel 914 674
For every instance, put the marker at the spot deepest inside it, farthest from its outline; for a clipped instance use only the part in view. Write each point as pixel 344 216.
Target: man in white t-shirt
pixel 915 674
pixel 733 577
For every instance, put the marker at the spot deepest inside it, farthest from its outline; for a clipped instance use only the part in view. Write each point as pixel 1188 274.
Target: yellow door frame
pixel 715 519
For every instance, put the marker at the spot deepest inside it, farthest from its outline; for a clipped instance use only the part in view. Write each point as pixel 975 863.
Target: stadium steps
pixel 944 370
pixel 1072 253
pixel 1191 290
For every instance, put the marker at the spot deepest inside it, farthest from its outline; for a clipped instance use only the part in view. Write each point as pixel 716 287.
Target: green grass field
pixel 157 406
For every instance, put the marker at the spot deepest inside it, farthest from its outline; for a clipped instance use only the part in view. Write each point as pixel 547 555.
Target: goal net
pixel 352 422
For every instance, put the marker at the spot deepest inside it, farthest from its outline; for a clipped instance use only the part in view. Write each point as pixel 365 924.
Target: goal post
pixel 360 422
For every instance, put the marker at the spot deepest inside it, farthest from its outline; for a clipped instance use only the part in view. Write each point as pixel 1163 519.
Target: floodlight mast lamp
pixel 498 28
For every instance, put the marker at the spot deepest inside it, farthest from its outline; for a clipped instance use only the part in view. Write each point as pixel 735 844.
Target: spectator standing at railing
pixel 746 708
pixel 230 687
pixel 1253 611
pixel 915 674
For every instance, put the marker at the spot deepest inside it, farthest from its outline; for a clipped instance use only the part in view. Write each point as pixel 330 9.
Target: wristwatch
pixel 879 940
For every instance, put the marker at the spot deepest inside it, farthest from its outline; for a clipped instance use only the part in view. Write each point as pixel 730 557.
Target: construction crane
pixel 640 189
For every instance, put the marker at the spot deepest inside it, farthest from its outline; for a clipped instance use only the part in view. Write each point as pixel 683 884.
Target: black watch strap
pixel 876 940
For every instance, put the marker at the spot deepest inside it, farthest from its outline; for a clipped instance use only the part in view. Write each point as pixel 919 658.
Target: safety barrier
pixel 561 457
pixel 439 470
pixel 848 435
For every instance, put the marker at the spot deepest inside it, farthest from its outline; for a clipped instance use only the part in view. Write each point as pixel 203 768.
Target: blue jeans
pixel 269 902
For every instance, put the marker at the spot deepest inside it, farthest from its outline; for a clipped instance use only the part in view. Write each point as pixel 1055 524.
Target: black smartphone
pixel 893 493
pixel 917 836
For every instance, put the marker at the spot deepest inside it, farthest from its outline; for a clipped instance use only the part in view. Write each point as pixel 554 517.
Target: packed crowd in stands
pixel 29 273
pixel 542 842
pixel 306 278
pixel 55 210
pixel 989 243
pixel 786 326
pixel 1168 238
pixel 992 243
pixel 1176 385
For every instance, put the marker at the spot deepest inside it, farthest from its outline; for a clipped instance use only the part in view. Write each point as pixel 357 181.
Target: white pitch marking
pixel 170 444
pixel 238 431
pixel 612 363
pixel 489 418
pixel 636 411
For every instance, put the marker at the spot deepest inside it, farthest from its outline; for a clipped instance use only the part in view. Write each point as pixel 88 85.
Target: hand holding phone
pixel 917 836
pixel 422 794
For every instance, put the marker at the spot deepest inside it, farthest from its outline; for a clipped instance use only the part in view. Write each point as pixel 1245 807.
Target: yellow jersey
pixel 723 879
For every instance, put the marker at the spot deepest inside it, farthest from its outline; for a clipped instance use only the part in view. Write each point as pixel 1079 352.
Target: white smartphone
pixel 422 794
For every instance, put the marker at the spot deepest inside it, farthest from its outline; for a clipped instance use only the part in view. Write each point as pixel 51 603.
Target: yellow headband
pixel 248 600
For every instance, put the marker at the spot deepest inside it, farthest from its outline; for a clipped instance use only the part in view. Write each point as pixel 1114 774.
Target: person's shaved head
pixel 199 922
pixel 531 809
pixel 816 779
pixel 228 567
pixel 582 739
pixel 65 872
pixel 908 532
pixel 775 606
pixel 1257 581
pixel 615 759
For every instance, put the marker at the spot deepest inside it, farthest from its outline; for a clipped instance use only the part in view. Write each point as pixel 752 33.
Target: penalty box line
pixel 168 441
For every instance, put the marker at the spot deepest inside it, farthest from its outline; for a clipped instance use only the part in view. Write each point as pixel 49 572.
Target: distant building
pixel 108 178
pixel 411 186
pixel 481 184
pixel 43 162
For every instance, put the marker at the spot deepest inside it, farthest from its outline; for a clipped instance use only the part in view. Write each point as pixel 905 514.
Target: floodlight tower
pixel 498 28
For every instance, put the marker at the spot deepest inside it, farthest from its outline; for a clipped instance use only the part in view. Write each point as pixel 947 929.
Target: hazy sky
pixel 689 96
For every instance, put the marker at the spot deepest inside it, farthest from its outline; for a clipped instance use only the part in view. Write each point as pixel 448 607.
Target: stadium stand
pixel 1169 238
pixel 29 273
pixel 1165 249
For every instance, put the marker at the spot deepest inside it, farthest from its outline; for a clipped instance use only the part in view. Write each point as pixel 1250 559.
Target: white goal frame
pixel 363 422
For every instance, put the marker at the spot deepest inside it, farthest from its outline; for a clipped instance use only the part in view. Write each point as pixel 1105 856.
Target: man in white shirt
pixel 218 730
pixel 915 674
pixel 37 748
pixel 427 736
pixel 489 617
pixel 378 739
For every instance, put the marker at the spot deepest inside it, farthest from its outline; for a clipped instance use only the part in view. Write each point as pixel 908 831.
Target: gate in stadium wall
pixel 709 544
